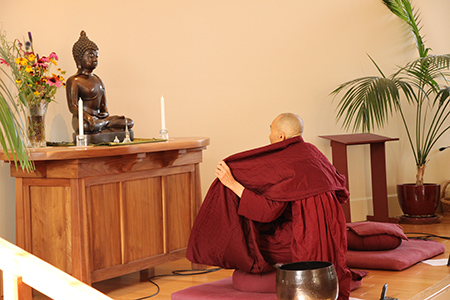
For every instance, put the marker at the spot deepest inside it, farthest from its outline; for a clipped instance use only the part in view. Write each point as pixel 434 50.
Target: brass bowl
pixel 307 280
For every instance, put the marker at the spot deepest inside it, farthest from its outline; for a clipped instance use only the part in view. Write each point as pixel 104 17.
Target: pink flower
pixel 54 81
pixel 3 62
pixel 42 62
pixel 53 56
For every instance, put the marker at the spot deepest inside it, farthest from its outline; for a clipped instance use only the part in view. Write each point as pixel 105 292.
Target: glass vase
pixel 36 124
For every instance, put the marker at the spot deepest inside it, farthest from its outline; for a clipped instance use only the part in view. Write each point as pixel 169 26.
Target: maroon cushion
pixel 260 283
pixel 219 290
pixel 373 236
pixel 409 253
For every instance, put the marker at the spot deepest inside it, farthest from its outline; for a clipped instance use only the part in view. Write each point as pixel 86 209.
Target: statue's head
pixel 81 46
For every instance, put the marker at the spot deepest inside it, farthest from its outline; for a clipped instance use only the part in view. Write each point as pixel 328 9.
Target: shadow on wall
pixel 58 131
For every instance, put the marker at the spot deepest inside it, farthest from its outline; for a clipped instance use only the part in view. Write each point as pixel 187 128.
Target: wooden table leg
pixel 339 156
pixel 379 184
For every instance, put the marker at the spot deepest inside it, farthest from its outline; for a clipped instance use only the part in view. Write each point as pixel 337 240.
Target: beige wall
pixel 227 68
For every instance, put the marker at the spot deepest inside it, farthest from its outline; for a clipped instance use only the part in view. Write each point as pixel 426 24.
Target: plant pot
pixel 419 202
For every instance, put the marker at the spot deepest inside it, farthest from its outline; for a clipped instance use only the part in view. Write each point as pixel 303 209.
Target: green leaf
pixel 12 137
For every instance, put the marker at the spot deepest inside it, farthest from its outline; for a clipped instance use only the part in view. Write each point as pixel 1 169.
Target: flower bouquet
pixel 36 83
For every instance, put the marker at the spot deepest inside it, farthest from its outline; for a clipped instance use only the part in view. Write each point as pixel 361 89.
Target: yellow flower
pixel 31 57
pixel 28 69
pixel 18 81
pixel 21 61
pixel 36 93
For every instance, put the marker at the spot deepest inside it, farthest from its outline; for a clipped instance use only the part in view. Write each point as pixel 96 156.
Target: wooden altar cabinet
pixel 101 212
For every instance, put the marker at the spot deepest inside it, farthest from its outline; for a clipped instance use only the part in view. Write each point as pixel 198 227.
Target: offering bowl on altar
pixel 307 280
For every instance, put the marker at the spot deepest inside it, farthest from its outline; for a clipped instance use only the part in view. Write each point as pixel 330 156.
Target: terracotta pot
pixel 419 201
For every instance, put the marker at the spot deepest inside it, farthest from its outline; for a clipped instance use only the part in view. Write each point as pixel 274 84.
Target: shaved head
pixel 285 126
pixel 290 124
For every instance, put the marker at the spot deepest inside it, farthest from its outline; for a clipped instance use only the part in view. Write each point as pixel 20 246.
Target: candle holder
pixel 164 134
pixel 127 135
pixel 81 140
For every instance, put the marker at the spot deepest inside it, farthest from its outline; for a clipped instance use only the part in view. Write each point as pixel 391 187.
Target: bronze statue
pixel 99 126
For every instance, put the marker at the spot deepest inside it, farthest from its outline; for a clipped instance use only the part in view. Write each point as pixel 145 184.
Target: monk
pixel 275 204
pixel 90 88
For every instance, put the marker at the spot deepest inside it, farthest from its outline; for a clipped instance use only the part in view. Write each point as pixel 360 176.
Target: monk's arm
pixel 258 208
pixel 252 206
pixel 223 172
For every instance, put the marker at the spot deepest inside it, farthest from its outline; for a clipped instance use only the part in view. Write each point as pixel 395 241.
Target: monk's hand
pixel 223 173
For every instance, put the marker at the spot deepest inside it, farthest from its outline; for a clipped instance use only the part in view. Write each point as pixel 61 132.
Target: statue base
pixel 105 136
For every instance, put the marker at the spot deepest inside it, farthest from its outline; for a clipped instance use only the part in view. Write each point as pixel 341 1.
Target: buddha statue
pixel 98 125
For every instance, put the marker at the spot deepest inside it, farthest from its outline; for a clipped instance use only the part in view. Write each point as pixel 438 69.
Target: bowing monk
pixel 275 204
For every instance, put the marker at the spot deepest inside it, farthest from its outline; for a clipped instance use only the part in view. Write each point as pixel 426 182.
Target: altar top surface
pixel 64 153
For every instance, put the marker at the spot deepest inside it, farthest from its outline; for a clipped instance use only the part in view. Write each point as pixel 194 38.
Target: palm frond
pixel 427 74
pixel 404 10
pixel 367 102
pixel 12 137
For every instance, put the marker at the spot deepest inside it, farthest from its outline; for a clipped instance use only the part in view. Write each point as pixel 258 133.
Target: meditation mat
pixel 244 286
pixel 407 254
pixel 222 290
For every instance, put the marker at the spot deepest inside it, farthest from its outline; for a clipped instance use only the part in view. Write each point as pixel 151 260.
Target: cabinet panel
pixel 104 224
pixel 177 197
pixel 143 219
pixel 50 218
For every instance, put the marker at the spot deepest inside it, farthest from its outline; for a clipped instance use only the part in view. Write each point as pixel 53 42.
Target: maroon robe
pixel 289 211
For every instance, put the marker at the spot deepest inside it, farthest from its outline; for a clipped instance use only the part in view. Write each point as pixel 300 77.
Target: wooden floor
pixel 401 284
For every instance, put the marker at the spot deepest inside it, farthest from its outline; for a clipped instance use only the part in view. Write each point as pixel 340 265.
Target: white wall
pixel 226 68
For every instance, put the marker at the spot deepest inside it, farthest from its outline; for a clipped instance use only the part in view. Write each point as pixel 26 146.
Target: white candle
pixel 80 117
pixel 163 114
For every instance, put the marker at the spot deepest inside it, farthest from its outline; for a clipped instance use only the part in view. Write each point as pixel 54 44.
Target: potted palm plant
pixel 421 84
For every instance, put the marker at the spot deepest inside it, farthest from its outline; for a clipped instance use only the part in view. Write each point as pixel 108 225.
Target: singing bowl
pixel 307 280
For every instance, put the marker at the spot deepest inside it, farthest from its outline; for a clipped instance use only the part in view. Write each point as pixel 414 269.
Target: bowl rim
pixel 305 265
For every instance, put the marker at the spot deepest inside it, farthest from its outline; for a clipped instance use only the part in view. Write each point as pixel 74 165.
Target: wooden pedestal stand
pixel 339 145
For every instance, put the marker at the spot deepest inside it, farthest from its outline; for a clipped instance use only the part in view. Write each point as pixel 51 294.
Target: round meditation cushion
pixel 256 283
